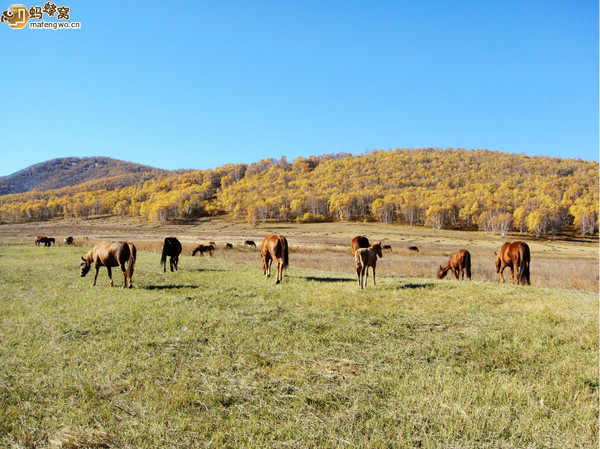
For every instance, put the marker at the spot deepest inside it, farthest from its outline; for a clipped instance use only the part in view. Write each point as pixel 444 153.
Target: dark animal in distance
pixel 113 254
pixel 413 249
pixel 365 258
pixel 38 240
pixel 228 246
pixel 203 249
pixel 172 248
pixel 274 247
pixel 250 243
pixel 360 241
pixel 47 241
pixel 387 247
pixel 68 240
pixel 213 244
pixel 516 256
pixel 459 263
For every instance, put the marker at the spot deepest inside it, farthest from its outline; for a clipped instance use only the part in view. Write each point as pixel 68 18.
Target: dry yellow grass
pixel 555 264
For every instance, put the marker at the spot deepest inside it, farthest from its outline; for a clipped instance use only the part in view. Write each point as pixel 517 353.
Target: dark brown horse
pixel 68 240
pixel 365 258
pixel 459 263
pixel 360 241
pixel 250 243
pixel 414 249
pixel 38 240
pixel 47 241
pixel 171 248
pixel 515 256
pixel 114 254
pixel 203 249
pixel 274 247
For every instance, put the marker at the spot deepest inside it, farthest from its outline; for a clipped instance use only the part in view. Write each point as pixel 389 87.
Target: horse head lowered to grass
pixel 113 254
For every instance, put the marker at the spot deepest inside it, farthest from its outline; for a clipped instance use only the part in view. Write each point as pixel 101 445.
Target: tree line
pixel 454 188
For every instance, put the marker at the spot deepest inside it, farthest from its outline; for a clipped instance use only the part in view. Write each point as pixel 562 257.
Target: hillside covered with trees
pixel 454 188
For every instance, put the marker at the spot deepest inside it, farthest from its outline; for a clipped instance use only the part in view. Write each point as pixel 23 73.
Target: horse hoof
pixel 277 282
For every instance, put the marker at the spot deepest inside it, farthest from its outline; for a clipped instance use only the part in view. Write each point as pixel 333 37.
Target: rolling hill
pixel 64 172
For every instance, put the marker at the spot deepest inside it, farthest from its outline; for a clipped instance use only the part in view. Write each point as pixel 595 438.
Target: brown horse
pixel 38 240
pixel 515 256
pixel 459 263
pixel 171 248
pixel 274 247
pixel 360 241
pixel 204 249
pixel 114 254
pixel 47 241
pixel 365 258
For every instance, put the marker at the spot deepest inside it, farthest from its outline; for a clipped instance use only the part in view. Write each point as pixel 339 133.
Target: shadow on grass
pixel 325 279
pixel 209 269
pixel 168 287
pixel 414 285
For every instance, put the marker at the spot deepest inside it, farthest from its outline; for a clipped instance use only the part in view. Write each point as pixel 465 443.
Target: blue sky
pixel 207 83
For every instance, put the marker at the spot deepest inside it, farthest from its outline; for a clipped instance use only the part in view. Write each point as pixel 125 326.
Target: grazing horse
pixel 250 243
pixel 360 241
pixel 515 256
pixel 69 241
pixel 171 248
pixel 274 247
pixel 459 263
pixel 47 241
pixel 365 258
pixel 414 249
pixel 114 254
pixel 228 246
pixel 203 249
pixel 387 247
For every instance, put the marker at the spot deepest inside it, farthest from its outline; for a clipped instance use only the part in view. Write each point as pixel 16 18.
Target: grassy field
pixel 217 356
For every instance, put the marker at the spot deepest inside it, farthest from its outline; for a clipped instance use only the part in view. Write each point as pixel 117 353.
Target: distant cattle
pixel 414 249
pixel 250 243
pixel 68 240
pixel 203 249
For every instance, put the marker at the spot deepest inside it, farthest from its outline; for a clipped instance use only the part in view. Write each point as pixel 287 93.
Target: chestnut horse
pixel 114 254
pixel 274 247
pixel 203 249
pixel 365 258
pixel 459 263
pixel 171 248
pixel 515 256
pixel 360 241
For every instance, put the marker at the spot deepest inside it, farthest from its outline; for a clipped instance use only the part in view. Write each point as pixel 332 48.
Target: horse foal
pixel 365 258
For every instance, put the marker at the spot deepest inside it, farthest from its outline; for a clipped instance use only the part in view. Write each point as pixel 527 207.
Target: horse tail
pixel 524 257
pixel 163 257
pixel 131 261
pixel 468 264
pixel 284 250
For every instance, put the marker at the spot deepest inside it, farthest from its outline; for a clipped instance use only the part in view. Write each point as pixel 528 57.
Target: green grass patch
pixel 217 356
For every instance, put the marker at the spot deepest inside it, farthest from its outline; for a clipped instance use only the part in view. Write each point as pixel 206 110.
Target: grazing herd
pixel 515 256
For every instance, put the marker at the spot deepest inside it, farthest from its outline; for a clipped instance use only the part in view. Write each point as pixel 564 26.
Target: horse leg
pixel 512 275
pixel 373 274
pixel 501 274
pixel 96 275
pixel 110 275
pixel 279 270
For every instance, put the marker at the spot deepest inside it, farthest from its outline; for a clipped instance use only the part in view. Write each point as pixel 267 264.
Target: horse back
pixel 360 241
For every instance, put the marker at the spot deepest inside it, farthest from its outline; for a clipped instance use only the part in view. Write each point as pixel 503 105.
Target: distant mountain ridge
pixel 70 171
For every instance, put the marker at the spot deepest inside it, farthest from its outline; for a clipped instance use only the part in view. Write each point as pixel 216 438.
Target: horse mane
pixel 89 257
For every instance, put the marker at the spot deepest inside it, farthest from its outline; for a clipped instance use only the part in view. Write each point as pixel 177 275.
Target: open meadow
pixel 215 355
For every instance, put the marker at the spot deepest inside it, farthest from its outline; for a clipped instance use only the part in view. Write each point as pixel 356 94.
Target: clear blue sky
pixel 205 83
